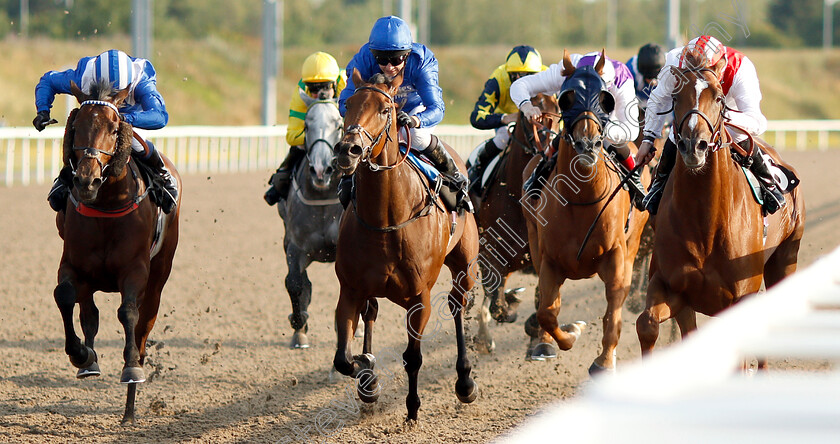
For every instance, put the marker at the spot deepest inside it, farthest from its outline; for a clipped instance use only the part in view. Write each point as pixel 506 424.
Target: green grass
pixel 216 82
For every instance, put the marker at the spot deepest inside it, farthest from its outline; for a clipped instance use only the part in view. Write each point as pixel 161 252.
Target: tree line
pixel 770 23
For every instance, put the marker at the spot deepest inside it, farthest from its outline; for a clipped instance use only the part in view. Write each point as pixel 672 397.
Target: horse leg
pixel 346 320
pixel 416 320
pixel 133 290
pixel 465 386
pixel 484 340
pixel 89 318
pixel 65 295
pixel 660 306
pixel 782 262
pixel 550 300
pixel 300 292
pixel 368 382
pixel 615 275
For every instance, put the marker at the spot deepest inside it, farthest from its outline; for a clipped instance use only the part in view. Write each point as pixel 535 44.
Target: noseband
pixel 361 131
pixel 91 152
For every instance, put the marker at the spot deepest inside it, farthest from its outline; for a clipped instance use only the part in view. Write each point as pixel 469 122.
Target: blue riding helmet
pixel 390 34
pixel 115 67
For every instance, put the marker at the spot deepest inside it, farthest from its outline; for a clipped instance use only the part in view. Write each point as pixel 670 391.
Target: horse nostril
pixel 681 145
pixel 95 183
pixel 355 150
pixel 329 170
pixel 702 145
pixel 598 144
pixel 312 170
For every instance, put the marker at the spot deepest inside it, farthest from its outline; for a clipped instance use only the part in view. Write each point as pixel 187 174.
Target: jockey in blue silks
pixel 143 108
pixel 391 50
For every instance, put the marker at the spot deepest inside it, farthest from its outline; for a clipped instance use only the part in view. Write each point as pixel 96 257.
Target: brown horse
pixel 110 238
pixel 560 214
pixel 709 250
pixel 501 224
pixel 393 240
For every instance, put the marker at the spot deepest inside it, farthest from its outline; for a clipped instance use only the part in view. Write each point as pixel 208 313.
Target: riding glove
pixel 403 119
pixel 530 111
pixel 42 120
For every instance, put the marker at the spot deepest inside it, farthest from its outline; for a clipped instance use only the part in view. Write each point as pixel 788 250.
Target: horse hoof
pixel 299 340
pixel 532 326
pixel 575 328
pixel 91 370
pixel 87 360
pixel 365 361
pixel 543 351
pixel 485 346
pixel 132 375
pixel 367 386
pixel 466 391
pixel 596 369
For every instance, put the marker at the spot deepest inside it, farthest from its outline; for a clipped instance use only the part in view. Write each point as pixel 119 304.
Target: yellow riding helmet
pixel 319 67
pixel 523 58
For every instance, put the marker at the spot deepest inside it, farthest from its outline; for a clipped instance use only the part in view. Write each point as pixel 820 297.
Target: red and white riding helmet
pixel 706 48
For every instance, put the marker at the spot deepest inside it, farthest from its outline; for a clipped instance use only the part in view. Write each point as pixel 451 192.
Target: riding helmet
pixel 390 34
pixel 705 48
pixel 114 66
pixel 319 67
pixel 650 60
pixel 523 58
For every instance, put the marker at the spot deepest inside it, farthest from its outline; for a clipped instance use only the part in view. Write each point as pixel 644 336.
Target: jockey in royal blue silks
pixel 143 108
pixel 391 50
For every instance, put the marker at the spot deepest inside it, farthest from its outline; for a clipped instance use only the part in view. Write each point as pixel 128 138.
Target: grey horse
pixel 311 212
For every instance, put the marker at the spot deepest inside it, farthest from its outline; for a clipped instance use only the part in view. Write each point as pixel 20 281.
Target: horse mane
pixel 122 150
pixel 69 134
pixel 694 60
pixel 102 90
pixel 378 79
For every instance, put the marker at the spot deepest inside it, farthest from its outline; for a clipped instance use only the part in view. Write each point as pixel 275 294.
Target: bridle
pixel 92 152
pixel 310 145
pixel 594 143
pixel 374 141
pixel 716 128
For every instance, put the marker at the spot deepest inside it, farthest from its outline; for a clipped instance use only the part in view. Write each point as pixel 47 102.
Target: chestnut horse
pixel 501 224
pixel 393 240
pixel 110 239
pixel 709 248
pixel 560 214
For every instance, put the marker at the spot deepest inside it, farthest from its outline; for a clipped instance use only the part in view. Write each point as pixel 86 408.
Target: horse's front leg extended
pixel 465 386
pixel 416 319
pixel 346 320
pixel 550 301
pixel 613 273
pixel 89 318
pixel 300 292
pixel 65 295
pixel 132 289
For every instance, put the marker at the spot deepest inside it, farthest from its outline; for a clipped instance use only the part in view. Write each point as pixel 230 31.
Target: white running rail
pixel 27 156
pixel 692 392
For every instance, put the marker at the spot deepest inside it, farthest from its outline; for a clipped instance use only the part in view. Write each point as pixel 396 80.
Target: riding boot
pixel 169 194
pixel 663 170
pixel 543 169
pixel 485 154
pixel 440 157
pixel 772 196
pixel 281 180
pixel 61 189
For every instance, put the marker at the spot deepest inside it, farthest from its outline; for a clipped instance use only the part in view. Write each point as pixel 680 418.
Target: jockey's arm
pixel 297 120
pixel 56 82
pixel 625 127
pixel 547 82
pixel 431 95
pixel 153 114
pixel 746 94
pixel 484 114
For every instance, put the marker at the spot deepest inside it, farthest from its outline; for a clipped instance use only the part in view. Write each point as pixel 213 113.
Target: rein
pixel 367 150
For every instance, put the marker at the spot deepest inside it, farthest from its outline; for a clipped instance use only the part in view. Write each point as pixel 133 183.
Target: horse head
pixel 586 106
pixel 370 120
pixel 323 126
pixel 698 110
pixel 97 144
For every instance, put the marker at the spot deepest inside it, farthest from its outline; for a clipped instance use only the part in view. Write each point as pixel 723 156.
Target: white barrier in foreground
pixel 692 392
pixel 27 156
